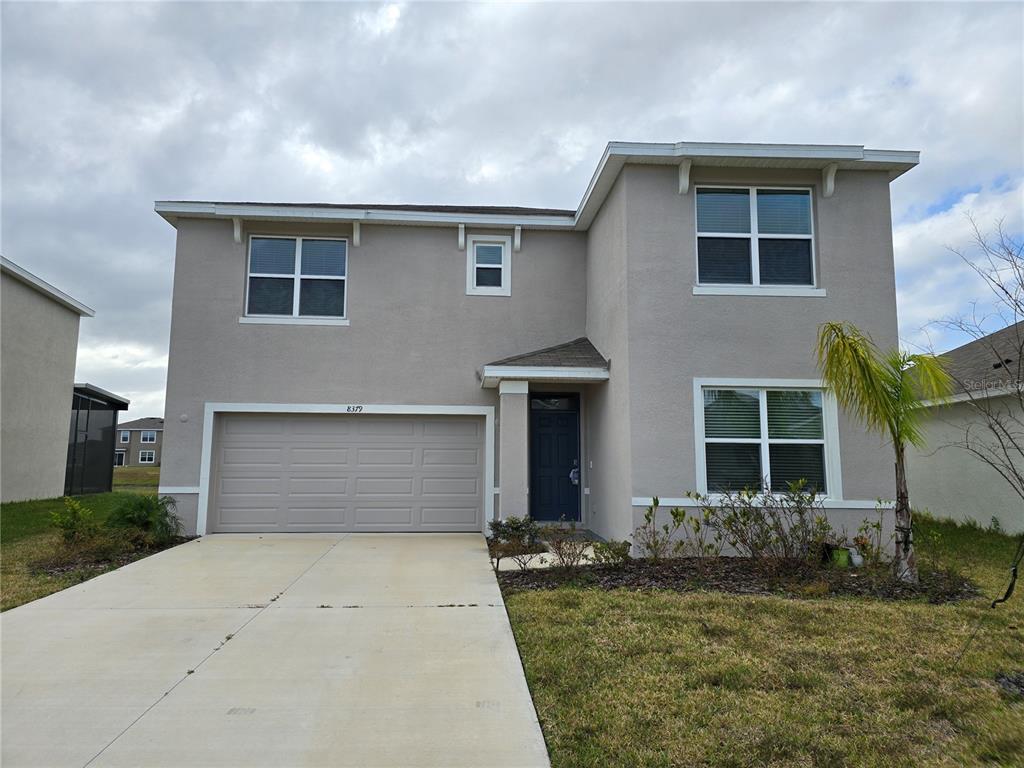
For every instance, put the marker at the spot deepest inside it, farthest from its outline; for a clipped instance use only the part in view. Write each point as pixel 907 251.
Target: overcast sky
pixel 108 107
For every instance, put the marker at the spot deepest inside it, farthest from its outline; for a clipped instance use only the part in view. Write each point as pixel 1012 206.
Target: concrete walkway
pixel 273 650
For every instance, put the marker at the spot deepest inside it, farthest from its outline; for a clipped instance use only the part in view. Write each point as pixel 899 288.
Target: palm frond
pixel 852 367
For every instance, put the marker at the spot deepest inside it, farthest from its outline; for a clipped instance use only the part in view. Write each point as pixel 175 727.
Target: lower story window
pixel 147 457
pixel 763 439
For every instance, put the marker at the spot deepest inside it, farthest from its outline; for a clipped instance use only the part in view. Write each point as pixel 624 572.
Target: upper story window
pixel 125 436
pixel 488 265
pixel 763 438
pixel 148 436
pixel 297 277
pixel 754 236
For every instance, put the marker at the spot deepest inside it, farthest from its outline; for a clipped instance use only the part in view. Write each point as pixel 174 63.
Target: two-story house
pixel 429 368
pixel 139 443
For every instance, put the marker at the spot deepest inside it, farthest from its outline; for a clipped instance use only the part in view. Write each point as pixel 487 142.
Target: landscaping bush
pixel 515 538
pixel 789 526
pixel 150 520
pixel 660 541
pixel 566 545
pixel 75 521
pixel 614 553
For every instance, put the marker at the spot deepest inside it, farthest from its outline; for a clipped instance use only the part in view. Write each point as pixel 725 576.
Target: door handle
pixel 574 475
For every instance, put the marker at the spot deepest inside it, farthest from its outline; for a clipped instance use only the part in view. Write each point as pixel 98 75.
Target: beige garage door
pixel 347 473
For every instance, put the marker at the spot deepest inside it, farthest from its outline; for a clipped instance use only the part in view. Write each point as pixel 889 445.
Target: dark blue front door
pixel 554 457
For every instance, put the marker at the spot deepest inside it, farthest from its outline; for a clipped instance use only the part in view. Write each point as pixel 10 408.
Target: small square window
pixel 126 436
pixel 488 266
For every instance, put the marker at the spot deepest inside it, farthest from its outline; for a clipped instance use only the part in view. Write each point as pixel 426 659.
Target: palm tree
pixel 884 391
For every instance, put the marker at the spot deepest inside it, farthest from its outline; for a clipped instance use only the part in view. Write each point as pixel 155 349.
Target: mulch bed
pixel 88 560
pixel 743 576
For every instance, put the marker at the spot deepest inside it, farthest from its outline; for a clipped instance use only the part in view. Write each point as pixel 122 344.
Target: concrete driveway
pixel 275 650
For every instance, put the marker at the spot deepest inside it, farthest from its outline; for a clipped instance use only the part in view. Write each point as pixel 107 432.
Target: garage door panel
pixel 318 456
pixel 397 517
pixel 450 457
pixel 385 457
pixel 250 486
pixel 450 486
pixel 347 472
pixel 329 515
pixel 317 486
pixel 369 426
pixel 458 517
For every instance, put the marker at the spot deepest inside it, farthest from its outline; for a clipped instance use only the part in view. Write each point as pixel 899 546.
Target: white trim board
pixel 494 374
pixel 211 409
pixel 178 490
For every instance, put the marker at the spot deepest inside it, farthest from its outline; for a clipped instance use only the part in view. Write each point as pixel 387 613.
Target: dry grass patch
pixel 661 678
pixel 139 479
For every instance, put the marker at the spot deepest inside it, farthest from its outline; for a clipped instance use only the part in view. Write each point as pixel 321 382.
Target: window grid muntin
pixel 754 234
pixel 765 441
pixel 297 276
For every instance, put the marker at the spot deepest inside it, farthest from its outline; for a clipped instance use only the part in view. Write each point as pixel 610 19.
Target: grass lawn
pixel 27 535
pixel 141 479
pixel 662 678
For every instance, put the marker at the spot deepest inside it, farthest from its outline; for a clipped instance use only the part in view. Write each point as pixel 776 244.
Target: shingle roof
pixel 150 422
pixel 578 353
pixel 993 361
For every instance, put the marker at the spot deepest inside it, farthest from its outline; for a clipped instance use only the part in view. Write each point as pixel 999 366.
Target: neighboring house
pixel 947 480
pixel 90 447
pixel 139 443
pixel 38 344
pixel 428 368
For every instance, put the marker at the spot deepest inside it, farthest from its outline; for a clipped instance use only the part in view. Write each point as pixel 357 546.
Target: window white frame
pixel 505 289
pixel 147 457
pixel 122 454
pixel 148 433
pixel 830 425
pixel 297 278
pixel 755 261
pixel 126 436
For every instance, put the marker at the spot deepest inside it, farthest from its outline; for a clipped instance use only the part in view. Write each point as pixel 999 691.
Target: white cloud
pixel 479 103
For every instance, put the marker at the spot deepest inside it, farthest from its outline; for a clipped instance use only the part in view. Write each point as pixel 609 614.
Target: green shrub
pixel 516 538
pixel 784 526
pixel 566 545
pixel 151 520
pixel 75 521
pixel 660 541
pixel 615 553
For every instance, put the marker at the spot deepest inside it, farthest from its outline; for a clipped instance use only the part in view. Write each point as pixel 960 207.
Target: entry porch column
pixel 513 447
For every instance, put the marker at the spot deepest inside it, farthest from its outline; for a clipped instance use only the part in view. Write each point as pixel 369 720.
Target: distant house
pixel 38 345
pixel 950 482
pixel 139 443
pixel 91 440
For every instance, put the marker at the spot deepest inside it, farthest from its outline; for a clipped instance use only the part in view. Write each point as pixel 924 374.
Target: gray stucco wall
pixel 610 457
pixel 38 343
pixel 949 482
pixel 415 336
pixel 675 336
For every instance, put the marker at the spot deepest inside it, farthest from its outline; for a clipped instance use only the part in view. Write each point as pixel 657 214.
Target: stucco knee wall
pixel 187 510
